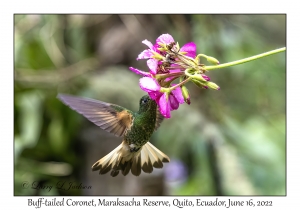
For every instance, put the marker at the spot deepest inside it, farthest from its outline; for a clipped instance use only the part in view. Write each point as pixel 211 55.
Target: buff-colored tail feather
pixel 122 159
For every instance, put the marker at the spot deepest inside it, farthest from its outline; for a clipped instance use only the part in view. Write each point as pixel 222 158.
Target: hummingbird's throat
pixel 133 148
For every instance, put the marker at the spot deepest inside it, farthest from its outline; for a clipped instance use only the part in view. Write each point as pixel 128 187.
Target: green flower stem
pixel 179 84
pixel 168 83
pixel 163 76
pixel 196 76
pixel 200 55
pixel 208 68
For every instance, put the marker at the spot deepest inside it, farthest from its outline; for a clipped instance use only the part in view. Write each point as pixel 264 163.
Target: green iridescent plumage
pixel 143 123
pixel 135 153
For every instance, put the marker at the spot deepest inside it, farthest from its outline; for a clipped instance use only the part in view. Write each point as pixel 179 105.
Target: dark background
pixel 227 142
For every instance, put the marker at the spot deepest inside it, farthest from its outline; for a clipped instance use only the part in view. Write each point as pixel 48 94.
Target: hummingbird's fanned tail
pixel 122 159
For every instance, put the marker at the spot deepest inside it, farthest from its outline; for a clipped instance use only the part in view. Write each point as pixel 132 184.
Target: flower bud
pixel 213 85
pixel 186 95
pixel 205 77
pixel 199 83
pixel 199 77
pixel 212 60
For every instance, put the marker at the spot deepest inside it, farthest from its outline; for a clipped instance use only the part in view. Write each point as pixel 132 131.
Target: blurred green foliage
pixel 232 141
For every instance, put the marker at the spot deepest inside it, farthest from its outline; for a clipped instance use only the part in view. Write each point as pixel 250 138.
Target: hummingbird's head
pixel 146 103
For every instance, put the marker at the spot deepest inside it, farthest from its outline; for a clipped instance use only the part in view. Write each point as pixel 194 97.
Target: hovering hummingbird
pixel 135 153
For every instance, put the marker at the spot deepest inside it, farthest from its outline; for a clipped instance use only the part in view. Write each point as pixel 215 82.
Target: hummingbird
pixel 135 153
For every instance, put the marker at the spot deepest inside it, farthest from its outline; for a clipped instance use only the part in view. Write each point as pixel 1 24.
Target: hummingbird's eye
pixel 144 100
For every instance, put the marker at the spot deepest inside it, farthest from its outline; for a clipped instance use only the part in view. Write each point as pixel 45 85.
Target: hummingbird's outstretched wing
pixel 110 117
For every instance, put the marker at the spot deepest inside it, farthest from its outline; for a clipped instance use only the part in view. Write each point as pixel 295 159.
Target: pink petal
pixel 172 71
pixel 145 54
pixel 152 64
pixel 190 48
pixel 178 95
pixel 173 102
pixel 155 95
pixel 165 38
pixel 137 71
pixel 149 84
pixel 164 106
pixel 149 44
pixel 168 79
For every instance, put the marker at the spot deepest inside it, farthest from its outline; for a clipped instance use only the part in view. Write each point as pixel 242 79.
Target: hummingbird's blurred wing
pixel 159 118
pixel 110 117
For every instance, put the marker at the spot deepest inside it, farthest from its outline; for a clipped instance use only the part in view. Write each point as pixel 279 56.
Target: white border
pixel 154 6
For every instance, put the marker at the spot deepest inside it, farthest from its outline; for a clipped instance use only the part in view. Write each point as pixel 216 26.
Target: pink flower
pixel 165 39
pixel 178 95
pixel 151 86
pixel 166 101
pixel 140 72
pixel 165 106
pixel 147 53
pixel 152 63
pixel 190 48
pixel 170 102
pixel 190 51
pixel 166 63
